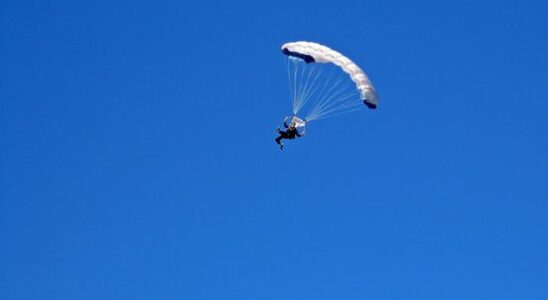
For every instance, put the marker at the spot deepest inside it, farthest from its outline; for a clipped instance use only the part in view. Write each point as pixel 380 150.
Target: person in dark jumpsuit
pixel 290 133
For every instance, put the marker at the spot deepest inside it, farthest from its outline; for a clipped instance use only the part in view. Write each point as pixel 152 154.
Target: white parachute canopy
pixel 325 82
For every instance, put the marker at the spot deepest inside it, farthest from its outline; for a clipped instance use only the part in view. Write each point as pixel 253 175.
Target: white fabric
pixel 323 54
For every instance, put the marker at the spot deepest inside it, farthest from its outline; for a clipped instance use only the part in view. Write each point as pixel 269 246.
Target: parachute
pixel 325 82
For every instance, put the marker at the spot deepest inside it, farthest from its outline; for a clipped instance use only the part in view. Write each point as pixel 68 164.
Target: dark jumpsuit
pixel 289 134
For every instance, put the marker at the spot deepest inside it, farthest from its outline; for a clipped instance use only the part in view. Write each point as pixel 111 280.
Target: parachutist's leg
pixel 279 142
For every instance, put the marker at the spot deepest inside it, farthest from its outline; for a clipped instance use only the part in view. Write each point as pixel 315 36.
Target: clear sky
pixel 137 158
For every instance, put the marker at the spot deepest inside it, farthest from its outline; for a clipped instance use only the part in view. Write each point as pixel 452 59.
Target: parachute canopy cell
pixel 311 52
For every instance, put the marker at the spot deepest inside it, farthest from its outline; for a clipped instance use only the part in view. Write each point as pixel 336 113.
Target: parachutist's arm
pixel 285 125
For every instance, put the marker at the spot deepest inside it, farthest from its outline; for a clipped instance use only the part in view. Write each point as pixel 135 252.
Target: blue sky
pixel 137 157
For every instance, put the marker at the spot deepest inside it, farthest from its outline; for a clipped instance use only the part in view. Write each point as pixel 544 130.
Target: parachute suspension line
pixel 291 84
pixel 337 113
pixel 294 83
pixel 341 103
pixel 338 100
pixel 296 70
pixel 340 97
pixel 303 69
pixel 309 85
pixel 329 77
pixel 301 78
pixel 323 89
pixel 326 96
pixel 329 95
pixel 303 89
pixel 340 106
pixel 337 104
pixel 313 86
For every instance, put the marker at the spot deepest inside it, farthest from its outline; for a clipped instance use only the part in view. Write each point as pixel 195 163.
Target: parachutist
pixel 290 133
